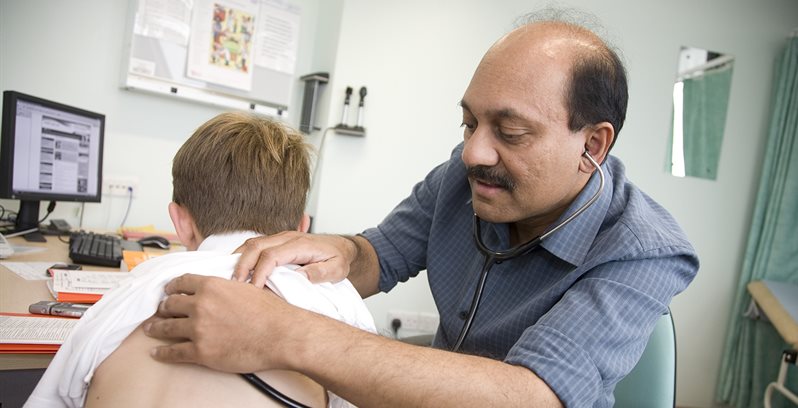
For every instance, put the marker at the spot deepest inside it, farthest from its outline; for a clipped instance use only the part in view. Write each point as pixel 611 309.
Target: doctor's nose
pixel 478 149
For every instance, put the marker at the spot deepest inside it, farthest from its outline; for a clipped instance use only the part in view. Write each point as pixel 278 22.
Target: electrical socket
pixel 417 322
pixel 119 186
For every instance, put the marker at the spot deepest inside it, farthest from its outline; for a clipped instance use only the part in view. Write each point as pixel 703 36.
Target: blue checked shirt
pixel 577 311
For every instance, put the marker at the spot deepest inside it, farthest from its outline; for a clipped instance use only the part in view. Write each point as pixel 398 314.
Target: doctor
pixel 558 325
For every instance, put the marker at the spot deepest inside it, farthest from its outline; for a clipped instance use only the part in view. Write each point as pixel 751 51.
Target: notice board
pixel 237 54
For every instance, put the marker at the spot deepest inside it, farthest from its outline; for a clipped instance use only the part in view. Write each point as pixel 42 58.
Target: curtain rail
pixel 714 63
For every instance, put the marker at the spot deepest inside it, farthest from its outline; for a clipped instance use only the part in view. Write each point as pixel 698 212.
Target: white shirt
pixel 106 324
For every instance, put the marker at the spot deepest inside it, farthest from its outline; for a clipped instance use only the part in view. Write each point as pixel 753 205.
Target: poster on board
pixel 277 36
pixel 220 50
pixel 165 20
pixel 238 54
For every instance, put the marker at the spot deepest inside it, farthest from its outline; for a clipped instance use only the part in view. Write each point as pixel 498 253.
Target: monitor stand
pixel 30 236
pixel 28 220
pixel 34 236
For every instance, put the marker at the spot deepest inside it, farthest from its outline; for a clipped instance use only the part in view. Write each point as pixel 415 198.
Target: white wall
pixel 416 58
pixel 72 52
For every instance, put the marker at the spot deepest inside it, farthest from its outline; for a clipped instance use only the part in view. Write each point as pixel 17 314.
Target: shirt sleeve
pixel 597 332
pixel 401 239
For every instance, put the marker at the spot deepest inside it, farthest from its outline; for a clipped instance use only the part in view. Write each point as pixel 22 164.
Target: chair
pixel 652 383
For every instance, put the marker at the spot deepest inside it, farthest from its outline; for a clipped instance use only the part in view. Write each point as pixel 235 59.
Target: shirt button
pixel 462 315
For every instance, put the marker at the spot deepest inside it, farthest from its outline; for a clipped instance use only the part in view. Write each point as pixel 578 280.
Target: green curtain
pixel 706 98
pixel 753 348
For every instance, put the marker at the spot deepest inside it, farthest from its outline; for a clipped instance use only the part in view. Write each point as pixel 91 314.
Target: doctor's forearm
pixel 364 269
pixel 369 370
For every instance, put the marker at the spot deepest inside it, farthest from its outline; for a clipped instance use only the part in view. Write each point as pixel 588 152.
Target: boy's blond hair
pixel 241 172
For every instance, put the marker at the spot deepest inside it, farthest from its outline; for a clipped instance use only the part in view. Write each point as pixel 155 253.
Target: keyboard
pixel 98 249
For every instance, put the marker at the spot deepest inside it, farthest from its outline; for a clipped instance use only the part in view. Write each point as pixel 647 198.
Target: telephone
pixel 5 248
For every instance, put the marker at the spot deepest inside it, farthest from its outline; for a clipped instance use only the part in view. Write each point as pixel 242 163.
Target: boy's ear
pixel 184 226
pixel 304 223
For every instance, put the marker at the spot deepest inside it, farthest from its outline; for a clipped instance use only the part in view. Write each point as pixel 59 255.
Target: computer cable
pixel 129 204
pixel 50 208
pixel 82 208
pixel 7 217
pixel 61 237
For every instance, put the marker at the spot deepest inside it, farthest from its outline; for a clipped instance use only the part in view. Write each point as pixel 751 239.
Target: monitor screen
pixel 49 152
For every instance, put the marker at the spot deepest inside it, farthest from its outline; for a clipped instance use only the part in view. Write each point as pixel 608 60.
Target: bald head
pixel 594 85
pixel 552 37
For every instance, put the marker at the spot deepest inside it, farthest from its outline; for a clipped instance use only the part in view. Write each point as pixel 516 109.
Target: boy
pixel 238 176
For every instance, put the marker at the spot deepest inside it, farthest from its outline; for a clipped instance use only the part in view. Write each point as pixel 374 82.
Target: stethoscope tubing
pixel 272 392
pixel 493 257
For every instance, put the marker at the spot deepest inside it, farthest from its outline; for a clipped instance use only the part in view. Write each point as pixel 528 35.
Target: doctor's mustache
pixel 492 175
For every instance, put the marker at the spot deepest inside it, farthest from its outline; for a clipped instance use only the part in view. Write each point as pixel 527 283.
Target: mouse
pixel 155 241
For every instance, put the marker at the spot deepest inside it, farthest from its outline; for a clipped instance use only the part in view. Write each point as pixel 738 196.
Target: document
pixel 23 329
pixel 277 36
pixel 86 281
pixel 83 286
pixel 30 270
pixel 164 19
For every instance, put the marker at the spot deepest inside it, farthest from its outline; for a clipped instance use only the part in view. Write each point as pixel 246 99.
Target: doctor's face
pixel 523 160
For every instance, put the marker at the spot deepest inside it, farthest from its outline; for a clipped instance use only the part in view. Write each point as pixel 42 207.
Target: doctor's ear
pixel 598 140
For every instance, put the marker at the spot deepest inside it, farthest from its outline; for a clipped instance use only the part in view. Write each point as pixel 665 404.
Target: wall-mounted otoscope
pixel 345 114
pixel 343 127
pixel 360 107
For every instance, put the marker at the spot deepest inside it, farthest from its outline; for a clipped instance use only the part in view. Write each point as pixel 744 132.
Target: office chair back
pixel 652 383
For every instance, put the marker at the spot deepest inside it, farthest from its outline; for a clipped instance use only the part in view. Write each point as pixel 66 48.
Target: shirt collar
pixel 572 242
pixel 226 242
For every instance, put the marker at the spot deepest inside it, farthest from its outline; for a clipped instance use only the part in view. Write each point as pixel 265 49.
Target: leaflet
pixel 34 330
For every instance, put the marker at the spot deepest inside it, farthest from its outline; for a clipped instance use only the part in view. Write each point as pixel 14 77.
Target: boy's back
pixel 116 383
pixel 109 351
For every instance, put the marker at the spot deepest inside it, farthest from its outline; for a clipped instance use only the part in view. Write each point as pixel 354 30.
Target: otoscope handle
pixel 360 107
pixel 345 113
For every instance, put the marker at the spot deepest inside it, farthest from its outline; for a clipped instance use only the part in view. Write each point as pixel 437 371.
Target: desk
pixel 779 302
pixel 16 293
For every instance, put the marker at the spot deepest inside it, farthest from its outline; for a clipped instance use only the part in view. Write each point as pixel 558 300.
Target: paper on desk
pixel 34 330
pixel 30 270
pixel 86 281
pixel 25 250
pixel 82 286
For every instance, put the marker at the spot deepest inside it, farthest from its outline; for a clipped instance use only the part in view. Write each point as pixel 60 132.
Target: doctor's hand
pixel 222 324
pixel 325 258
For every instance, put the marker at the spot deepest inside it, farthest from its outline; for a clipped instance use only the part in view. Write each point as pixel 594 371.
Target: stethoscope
pixel 491 257
pixel 494 257
pixel 272 392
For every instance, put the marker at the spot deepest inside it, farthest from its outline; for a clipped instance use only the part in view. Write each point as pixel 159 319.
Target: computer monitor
pixel 49 152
